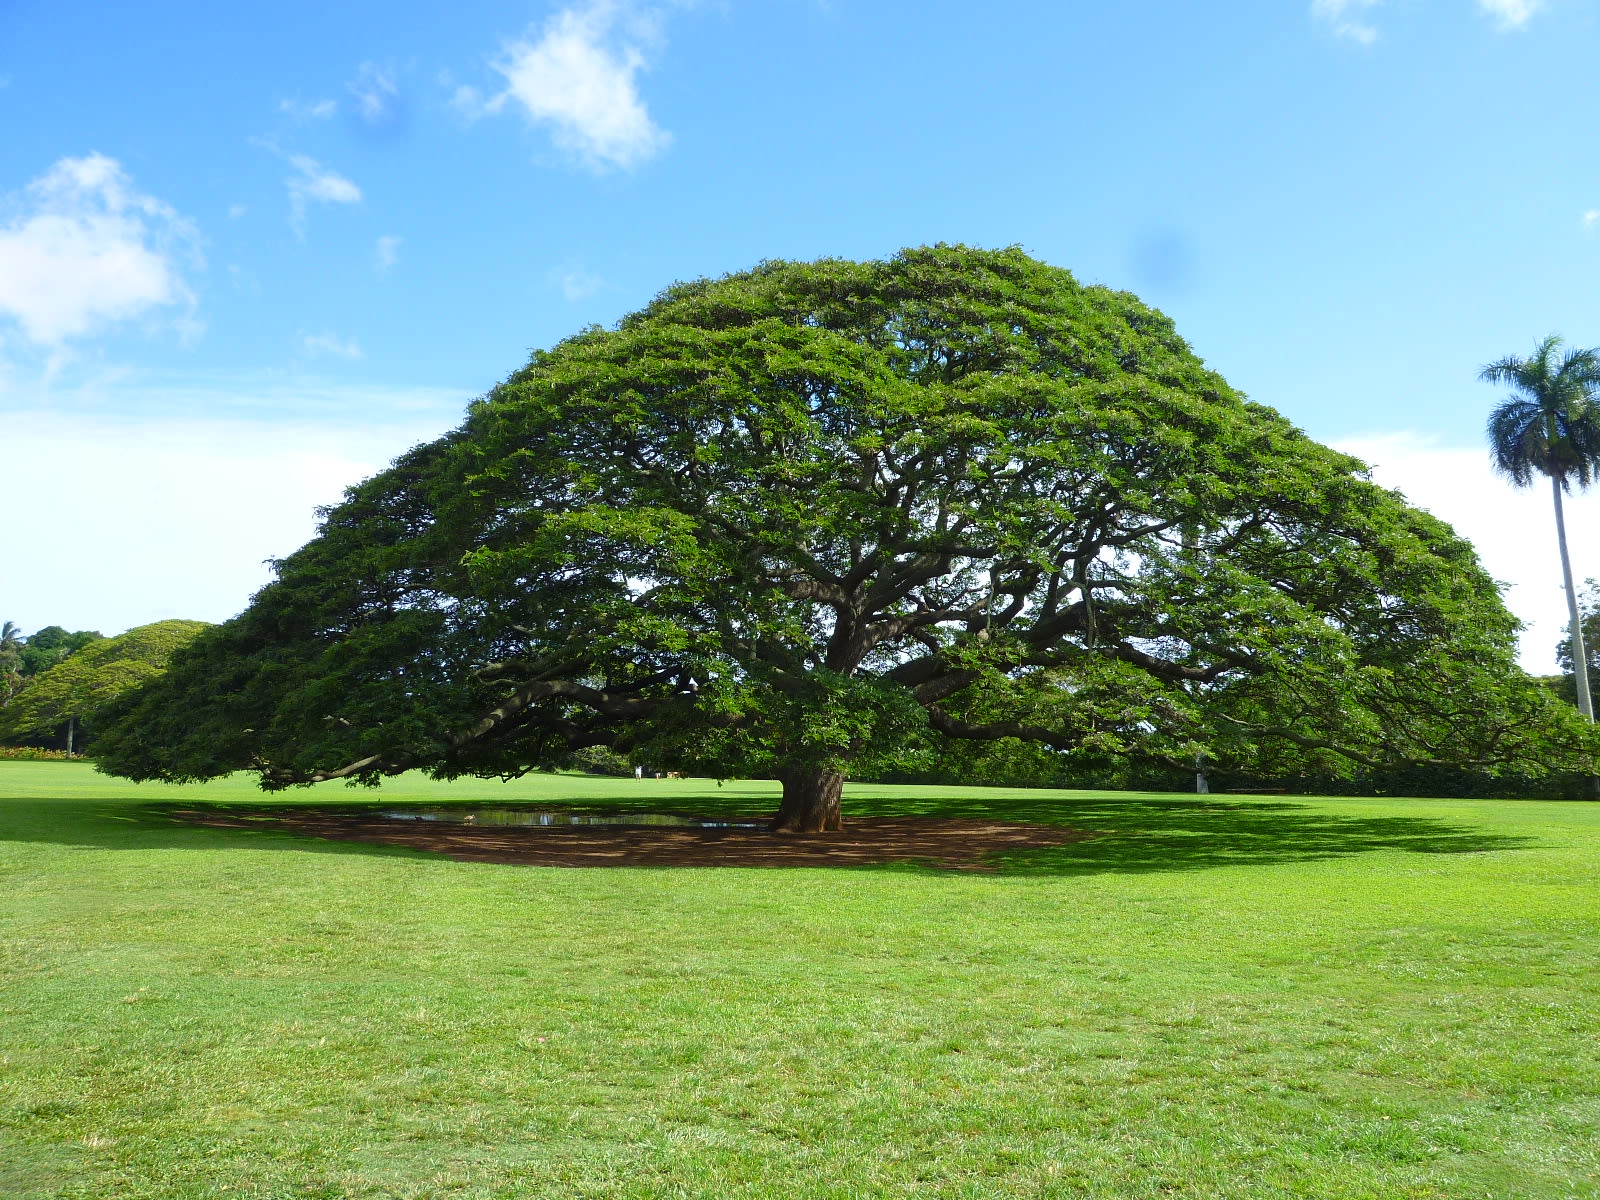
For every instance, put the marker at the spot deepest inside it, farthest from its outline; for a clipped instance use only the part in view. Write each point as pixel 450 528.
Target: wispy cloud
pixel 469 102
pixel 1511 14
pixel 386 253
pixel 1590 219
pixel 88 250
pixel 576 283
pixel 309 110
pixel 91 386
pixel 314 182
pixel 377 96
pixel 577 78
pixel 329 343
pixel 1343 18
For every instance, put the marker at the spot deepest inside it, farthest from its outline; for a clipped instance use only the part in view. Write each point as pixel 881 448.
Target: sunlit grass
pixel 1219 997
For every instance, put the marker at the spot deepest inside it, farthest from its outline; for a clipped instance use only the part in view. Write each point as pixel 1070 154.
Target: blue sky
pixel 248 256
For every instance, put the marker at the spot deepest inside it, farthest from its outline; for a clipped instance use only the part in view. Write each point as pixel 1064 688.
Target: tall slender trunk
pixel 810 801
pixel 1580 657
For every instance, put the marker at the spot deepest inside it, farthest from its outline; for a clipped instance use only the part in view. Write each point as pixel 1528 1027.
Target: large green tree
pixel 65 698
pixel 795 520
pixel 1550 426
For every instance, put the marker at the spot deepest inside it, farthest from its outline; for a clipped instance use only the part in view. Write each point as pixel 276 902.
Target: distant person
pixel 638 772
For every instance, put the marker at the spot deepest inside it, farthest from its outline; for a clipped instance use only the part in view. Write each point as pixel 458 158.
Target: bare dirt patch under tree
pixel 957 844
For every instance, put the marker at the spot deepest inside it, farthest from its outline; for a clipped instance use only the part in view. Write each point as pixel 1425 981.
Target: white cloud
pixel 309 110
pixel 328 343
pixel 1590 218
pixel 183 509
pixel 177 485
pixel 320 183
pixel 377 95
pixel 1343 18
pixel 235 211
pixel 386 253
pixel 1513 529
pixel 86 250
pixel 313 181
pixel 169 519
pixel 468 101
pixel 577 78
pixel 1510 14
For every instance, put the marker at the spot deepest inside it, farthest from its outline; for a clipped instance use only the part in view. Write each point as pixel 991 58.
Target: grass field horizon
pixel 1215 996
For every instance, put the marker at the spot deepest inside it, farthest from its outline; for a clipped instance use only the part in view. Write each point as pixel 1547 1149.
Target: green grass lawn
pixel 1218 997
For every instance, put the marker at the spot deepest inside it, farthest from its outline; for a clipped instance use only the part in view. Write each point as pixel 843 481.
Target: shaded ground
pixel 957 843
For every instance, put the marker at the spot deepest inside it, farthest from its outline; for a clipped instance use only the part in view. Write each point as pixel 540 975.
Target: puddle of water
pixel 523 816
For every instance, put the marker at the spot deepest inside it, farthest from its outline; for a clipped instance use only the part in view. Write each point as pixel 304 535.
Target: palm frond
pixel 1524 373
pixel 1580 366
pixel 1516 440
pixel 1551 424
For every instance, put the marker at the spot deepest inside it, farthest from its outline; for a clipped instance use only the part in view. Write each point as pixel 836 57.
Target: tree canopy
pixel 81 683
pixel 796 520
pixel 21 658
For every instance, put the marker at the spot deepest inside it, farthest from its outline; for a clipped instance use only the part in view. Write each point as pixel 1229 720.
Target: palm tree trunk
pixel 1580 657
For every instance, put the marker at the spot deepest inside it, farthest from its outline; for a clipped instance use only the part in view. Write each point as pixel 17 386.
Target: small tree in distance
pixel 1551 426
pixel 801 520
pixel 11 643
pixel 1589 626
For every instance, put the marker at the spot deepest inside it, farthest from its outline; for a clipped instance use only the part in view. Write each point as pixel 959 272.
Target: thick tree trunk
pixel 1580 657
pixel 810 801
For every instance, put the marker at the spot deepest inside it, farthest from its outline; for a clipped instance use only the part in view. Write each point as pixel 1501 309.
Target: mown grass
pixel 1218 997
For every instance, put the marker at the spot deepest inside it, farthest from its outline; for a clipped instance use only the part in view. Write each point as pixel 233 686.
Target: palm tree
pixel 1551 425
pixel 10 660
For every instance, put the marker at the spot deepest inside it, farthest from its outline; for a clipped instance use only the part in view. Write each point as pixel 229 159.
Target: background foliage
pixel 77 685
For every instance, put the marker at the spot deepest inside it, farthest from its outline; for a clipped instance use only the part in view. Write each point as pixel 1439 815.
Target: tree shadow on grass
pixel 1129 832
pixel 113 826
pixel 1139 833
pixel 1168 838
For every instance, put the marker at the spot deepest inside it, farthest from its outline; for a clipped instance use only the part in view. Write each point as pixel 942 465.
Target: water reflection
pixel 524 816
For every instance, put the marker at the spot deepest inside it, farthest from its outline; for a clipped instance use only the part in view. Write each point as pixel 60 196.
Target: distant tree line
pixel 53 683
pixel 22 658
